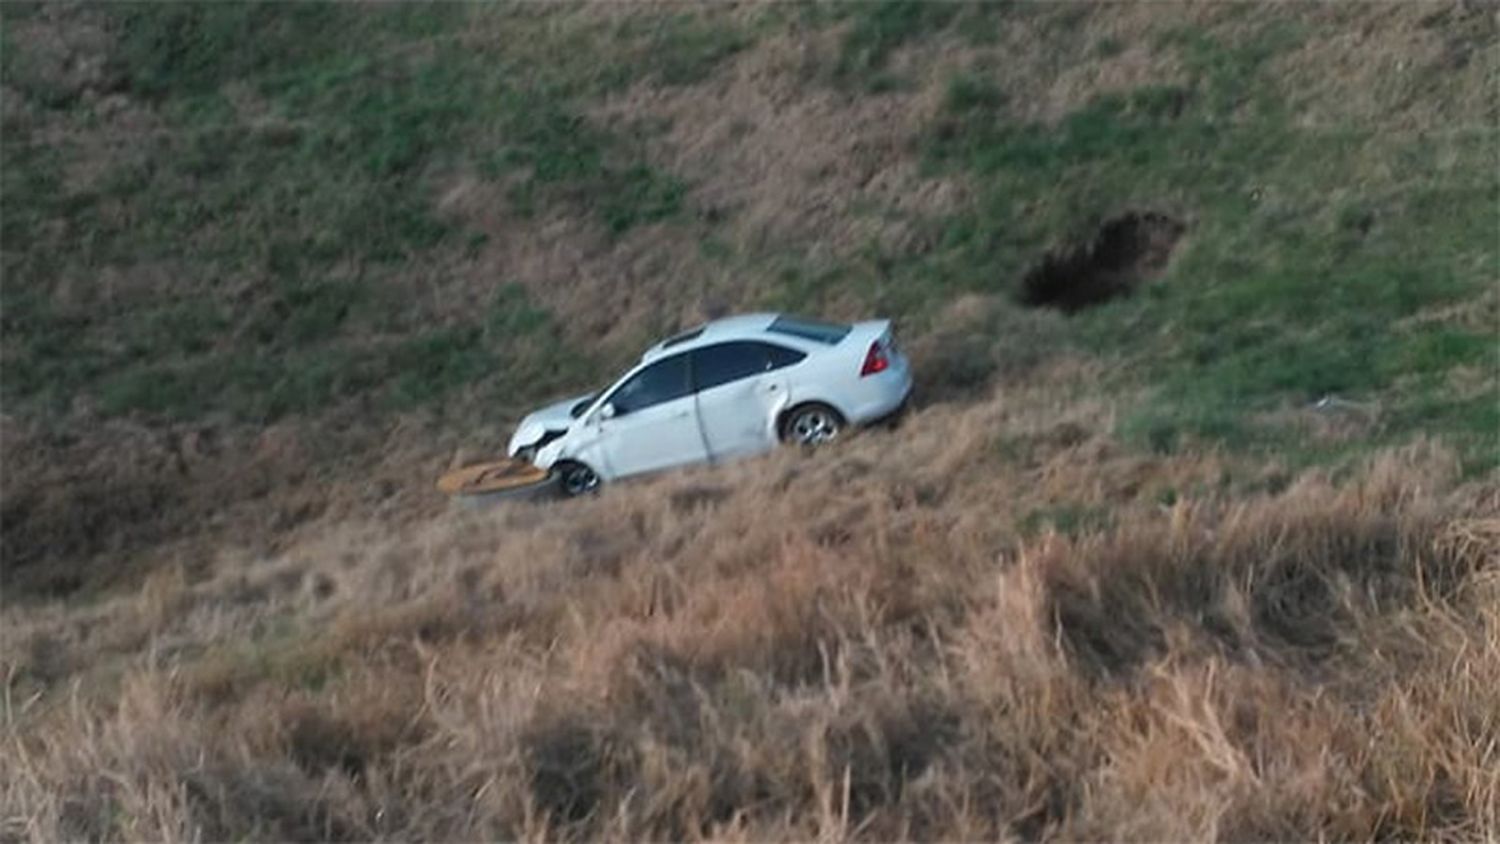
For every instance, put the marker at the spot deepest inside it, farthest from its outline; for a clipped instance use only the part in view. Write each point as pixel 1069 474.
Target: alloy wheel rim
pixel 814 427
pixel 580 479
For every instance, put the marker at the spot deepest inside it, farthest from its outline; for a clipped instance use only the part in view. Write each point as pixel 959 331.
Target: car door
pixel 741 386
pixel 655 420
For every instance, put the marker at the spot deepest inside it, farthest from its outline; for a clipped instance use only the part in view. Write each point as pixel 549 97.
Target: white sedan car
pixel 729 388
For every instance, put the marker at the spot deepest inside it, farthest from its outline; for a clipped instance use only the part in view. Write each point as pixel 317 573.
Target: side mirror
pixel 607 411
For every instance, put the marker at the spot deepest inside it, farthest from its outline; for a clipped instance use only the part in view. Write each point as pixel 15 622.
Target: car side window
pixel 660 382
pixel 782 356
pixel 723 363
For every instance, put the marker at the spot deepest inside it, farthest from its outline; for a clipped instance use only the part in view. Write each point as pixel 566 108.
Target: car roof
pixel 741 327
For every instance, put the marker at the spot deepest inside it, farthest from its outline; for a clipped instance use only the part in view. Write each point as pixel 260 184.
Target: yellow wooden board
pixel 491 476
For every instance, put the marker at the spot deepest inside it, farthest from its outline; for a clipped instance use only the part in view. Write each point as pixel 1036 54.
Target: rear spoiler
pixel 871 329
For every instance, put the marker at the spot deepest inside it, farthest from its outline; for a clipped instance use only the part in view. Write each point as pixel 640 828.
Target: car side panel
pixel 657 437
pixel 739 418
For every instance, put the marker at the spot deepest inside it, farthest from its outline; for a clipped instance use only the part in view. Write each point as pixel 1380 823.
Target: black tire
pixel 577 479
pixel 811 425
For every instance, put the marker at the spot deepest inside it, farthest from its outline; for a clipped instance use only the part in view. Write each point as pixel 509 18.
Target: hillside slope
pixel 1199 494
pixel 237 267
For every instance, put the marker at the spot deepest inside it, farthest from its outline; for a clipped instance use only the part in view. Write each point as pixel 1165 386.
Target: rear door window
pixel 724 363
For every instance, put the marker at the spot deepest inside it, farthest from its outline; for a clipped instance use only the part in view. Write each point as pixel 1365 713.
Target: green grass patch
pixel 268 244
pixel 513 347
pixel 551 153
pixel 1069 519
pixel 1307 249
pixel 876 30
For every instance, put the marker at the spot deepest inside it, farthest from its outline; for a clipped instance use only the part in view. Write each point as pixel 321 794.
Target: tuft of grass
pixel 1070 520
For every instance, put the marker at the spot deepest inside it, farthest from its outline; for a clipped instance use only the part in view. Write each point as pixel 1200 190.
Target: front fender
pixel 588 450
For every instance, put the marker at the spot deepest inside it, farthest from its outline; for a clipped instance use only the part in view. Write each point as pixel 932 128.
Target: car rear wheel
pixel 812 425
pixel 578 479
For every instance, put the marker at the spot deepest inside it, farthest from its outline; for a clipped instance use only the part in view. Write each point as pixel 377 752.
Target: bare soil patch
pixel 1126 251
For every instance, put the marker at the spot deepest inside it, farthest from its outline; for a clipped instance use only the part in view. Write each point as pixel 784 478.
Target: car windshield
pixel 810 329
pixel 581 405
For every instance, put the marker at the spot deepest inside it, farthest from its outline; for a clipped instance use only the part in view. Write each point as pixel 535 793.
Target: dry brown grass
pixel 868 643
pixel 1403 67
pixel 90 505
pixel 792 163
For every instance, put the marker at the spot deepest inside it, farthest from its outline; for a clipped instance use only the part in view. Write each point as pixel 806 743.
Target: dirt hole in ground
pixel 1127 250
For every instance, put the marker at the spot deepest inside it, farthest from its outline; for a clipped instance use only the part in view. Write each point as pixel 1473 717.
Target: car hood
pixel 553 417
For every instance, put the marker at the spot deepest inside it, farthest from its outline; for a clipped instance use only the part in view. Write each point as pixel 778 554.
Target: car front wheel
pixel 578 479
pixel 811 425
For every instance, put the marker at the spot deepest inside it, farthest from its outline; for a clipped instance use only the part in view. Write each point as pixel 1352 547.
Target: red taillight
pixel 875 360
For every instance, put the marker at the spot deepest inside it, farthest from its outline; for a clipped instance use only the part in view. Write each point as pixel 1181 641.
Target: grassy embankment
pixel 1118 577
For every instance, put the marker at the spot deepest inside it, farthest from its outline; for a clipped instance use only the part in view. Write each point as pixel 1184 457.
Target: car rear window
pixel 810 329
